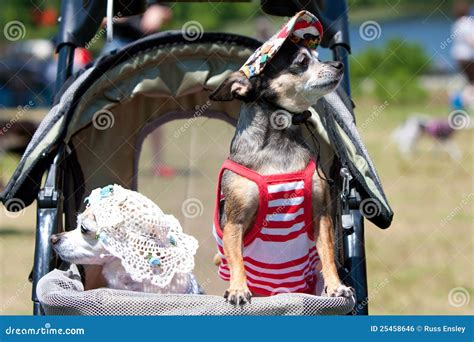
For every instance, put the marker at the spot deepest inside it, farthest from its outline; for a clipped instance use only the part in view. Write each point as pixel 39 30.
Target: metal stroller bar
pixel 48 221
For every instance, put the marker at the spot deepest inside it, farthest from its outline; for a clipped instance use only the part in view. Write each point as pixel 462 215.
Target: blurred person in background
pixel 463 35
pixel 128 30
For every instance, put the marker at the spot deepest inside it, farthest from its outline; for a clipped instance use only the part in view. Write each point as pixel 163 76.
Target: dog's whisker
pixel 104 255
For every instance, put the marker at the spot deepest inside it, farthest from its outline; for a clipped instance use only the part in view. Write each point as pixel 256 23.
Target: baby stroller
pixel 148 83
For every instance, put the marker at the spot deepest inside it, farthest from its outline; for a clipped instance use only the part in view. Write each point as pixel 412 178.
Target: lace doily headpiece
pixel 150 244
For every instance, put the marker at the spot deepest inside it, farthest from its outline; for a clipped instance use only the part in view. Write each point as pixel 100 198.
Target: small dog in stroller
pixel 140 247
pixel 273 214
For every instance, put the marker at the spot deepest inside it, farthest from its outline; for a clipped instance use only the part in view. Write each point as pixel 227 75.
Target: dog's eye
pixel 302 60
pixel 300 64
pixel 84 230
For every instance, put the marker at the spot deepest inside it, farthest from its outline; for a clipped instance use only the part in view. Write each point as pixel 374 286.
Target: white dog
pixel 140 248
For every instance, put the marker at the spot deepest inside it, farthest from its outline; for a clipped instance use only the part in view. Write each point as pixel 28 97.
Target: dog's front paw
pixel 341 291
pixel 239 296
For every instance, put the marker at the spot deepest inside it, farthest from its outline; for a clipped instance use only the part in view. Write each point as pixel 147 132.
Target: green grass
pixel 422 256
pixel 412 266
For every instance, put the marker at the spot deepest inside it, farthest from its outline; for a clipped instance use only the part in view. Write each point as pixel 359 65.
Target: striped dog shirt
pixel 279 251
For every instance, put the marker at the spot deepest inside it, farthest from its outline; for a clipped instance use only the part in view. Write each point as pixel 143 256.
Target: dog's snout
pixel 337 65
pixel 54 239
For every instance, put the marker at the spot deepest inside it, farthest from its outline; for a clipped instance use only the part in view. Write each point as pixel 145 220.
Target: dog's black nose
pixel 54 239
pixel 337 65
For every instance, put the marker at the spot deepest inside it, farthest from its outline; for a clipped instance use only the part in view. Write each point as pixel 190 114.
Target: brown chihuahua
pixel 292 81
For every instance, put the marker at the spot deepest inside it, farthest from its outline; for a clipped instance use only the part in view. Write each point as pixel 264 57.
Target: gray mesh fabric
pixel 62 293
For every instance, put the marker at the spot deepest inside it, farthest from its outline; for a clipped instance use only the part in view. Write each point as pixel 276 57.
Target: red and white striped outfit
pixel 279 251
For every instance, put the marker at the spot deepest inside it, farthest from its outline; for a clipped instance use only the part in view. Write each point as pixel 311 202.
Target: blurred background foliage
pixel 39 17
pixel 390 71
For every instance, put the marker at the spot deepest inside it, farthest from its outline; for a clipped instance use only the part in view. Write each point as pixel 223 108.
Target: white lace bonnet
pixel 150 244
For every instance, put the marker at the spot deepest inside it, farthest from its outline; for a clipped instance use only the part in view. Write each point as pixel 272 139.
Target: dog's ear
pixel 236 86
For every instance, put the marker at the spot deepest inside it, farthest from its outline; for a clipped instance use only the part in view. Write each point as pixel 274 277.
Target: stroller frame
pixel 76 30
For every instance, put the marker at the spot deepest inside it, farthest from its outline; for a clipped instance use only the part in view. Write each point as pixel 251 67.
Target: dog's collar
pixel 296 118
pixel 299 118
